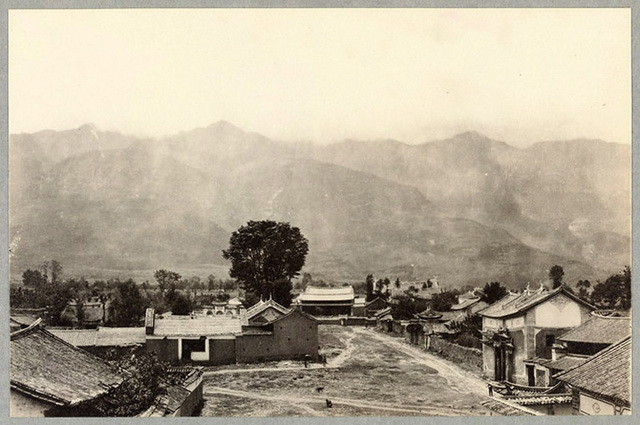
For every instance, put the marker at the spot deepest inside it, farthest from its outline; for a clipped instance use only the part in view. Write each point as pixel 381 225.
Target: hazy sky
pixel 518 75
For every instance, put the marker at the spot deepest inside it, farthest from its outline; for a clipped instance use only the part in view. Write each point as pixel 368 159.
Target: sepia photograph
pixel 319 212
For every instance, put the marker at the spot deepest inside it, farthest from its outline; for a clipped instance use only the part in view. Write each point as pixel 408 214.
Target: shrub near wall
pixel 468 358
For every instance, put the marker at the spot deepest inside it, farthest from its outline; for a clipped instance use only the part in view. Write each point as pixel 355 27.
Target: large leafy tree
pixel 58 296
pixel 166 279
pixel 36 280
pixel 555 274
pixel 146 379
pixel 615 292
pixel 369 287
pixel 181 305
pixel 492 292
pixel 405 307
pixel 443 301
pixel 263 253
pixel 128 305
pixel 583 289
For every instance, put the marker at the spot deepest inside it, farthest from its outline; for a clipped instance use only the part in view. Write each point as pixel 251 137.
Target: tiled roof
pixel 566 362
pixel 512 389
pixel 261 306
pixel 45 367
pixel 600 330
pixel 383 312
pixel 189 373
pixel 464 303
pixel 294 311
pixel 175 396
pixel 198 326
pixel 93 312
pixel 540 399
pixel 376 300
pixel 77 337
pixel 342 293
pixel 101 337
pixel 430 314
pixel 120 337
pixel 456 316
pixel 607 373
pixel 507 408
pixel 22 319
pixel 513 304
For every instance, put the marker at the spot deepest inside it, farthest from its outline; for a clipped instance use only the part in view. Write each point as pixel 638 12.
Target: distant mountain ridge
pixel 467 209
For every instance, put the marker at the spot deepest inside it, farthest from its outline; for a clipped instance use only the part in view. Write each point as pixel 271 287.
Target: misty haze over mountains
pixel 467 209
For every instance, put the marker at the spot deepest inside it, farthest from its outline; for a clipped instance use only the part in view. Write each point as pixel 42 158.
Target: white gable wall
pixel 558 312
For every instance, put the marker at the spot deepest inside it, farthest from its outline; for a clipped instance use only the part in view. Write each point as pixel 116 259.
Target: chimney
pixel 558 351
pixel 149 321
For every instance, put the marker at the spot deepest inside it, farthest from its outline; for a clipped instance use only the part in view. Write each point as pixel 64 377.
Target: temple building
pixel 520 329
pixel 319 301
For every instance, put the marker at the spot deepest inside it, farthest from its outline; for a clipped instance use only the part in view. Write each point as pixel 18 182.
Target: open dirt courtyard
pixel 367 374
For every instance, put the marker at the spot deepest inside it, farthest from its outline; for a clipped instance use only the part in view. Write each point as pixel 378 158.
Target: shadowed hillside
pixel 467 209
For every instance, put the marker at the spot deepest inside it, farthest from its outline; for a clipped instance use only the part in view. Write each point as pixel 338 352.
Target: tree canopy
pixel 369 287
pixel 128 306
pixel 615 292
pixel 406 307
pixel 166 279
pixel 181 305
pixel 492 292
pixel 443 301
pixel 263 253
pixel 555 274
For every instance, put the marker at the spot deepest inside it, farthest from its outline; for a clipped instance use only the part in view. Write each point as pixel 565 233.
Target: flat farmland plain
pixel 367 374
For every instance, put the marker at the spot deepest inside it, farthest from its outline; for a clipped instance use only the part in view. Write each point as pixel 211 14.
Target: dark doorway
pixel 500 364
pixel 531 375
pixel 191 345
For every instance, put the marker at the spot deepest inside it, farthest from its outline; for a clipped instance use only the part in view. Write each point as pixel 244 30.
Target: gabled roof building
pixel 95 313
pixel 50 376
pixel 320 301
pixel 601 385
pixel 265 331
pixel 520 329
pixel 469 304
pixel 265 311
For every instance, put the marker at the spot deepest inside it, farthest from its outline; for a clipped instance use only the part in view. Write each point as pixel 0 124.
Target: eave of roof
pixel 607 373
pixel 599 330
pixel 50 369
pixel 493 311
pixel 261 306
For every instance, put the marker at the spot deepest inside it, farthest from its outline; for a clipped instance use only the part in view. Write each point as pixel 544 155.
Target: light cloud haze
pixel 519 75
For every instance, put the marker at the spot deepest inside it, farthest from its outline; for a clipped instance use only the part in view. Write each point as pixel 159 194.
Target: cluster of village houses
pixel 543 351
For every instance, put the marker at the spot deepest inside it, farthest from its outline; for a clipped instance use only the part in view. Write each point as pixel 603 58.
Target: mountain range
pixel 467 209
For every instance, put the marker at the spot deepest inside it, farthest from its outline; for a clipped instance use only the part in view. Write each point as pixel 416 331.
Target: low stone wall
pixel 346 321
pixel 468 358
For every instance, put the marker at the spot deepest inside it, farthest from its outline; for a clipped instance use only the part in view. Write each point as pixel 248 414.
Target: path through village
pixel 368 374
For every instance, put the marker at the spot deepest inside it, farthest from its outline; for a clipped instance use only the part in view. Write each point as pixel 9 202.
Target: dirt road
pixel 456 377
pixel 368 374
